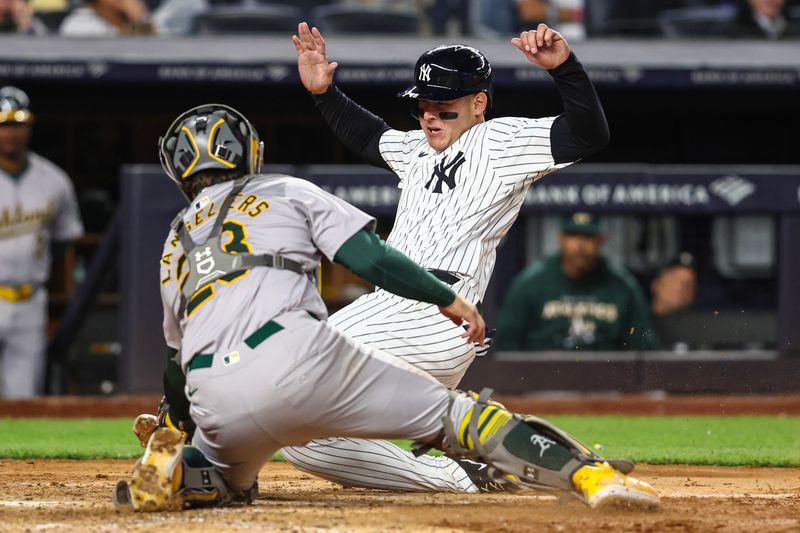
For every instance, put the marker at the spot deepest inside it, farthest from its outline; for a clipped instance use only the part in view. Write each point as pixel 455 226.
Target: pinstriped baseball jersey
pixel 278 215
pixel 36 207
pixel 457 204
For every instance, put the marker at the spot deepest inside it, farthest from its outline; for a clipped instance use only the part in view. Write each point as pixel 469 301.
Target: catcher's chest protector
pixel 207 261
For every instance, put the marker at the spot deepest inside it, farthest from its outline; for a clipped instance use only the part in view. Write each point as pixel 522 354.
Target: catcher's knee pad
pixel 204 486
pixel 529 451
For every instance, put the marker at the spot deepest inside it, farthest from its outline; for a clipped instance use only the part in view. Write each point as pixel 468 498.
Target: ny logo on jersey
pixel 425 72
pixel 446 173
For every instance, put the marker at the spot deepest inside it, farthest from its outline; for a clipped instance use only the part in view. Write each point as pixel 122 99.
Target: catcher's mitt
pixel 146 424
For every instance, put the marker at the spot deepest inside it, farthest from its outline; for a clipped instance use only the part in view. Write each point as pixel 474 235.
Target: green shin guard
pixel 525 449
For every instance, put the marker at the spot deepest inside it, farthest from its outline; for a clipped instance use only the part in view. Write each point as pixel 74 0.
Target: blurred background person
pixel 575 299
pixel 764 19
pixel 16 16
pixel 107 18
pixel 673 292
pixel 37 210
pixel 675 287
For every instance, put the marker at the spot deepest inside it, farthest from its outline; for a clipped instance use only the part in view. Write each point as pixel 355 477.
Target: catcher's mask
pixel 209 137
pixel 14 106
pixel 449 72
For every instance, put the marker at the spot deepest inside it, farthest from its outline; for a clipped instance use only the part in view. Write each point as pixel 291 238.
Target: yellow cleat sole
pixel 156 479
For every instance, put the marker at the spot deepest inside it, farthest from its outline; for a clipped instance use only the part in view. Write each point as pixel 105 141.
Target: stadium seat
pixel 346 20
pixel 305 6
pixel 53 19
pixel 794 20
pixel 233 20
pixel 698 22
pixel 607 18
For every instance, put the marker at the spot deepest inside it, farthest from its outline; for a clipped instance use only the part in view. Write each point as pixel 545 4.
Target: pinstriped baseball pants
pixel 417 334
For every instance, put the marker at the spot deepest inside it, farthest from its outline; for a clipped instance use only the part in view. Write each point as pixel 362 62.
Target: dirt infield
pixel 64 495
pixel 57 495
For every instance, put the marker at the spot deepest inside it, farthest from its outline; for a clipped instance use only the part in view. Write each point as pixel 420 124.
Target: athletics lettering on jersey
pixel 18 220
pixel 445 172
pixel 251 205
pixel 37 207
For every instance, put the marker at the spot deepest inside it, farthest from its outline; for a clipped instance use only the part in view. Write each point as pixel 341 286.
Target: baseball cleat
pixel 156 481
pixel 122 496
pixel 143 427
pixel 603 487
pixel 479 473
pixel 625 466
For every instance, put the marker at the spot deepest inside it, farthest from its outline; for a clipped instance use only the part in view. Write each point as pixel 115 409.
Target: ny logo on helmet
pixel 425 72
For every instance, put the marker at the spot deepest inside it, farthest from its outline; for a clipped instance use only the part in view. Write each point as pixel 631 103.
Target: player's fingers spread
pixel 318 40
pixel 297 44
pixel 303 31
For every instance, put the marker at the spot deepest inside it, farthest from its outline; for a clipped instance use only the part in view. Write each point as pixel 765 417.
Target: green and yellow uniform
pixel 546 310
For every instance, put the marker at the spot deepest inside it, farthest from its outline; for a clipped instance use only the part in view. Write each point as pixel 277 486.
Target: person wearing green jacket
pixel 575 299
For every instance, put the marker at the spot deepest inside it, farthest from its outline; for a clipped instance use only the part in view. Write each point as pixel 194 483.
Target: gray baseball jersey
pixel 262 370
pixel 36 207
pixel 278 215
pixel 455 206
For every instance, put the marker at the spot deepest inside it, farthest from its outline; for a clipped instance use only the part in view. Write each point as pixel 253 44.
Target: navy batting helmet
pixel 14 106
pixel 449 72
pixel 209 137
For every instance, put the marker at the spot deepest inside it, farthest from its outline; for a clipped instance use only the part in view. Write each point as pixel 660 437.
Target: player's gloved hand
pixel 482 349
pixel 146 424
pixel 461 311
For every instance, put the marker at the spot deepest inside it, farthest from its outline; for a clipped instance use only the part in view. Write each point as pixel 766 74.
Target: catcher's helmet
pixel 14 106
pixel 209 137
pixel 449 72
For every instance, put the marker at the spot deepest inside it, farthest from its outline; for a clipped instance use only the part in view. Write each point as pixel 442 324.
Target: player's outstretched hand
pixel 543 46
pixel 312 59
pixel 462 311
